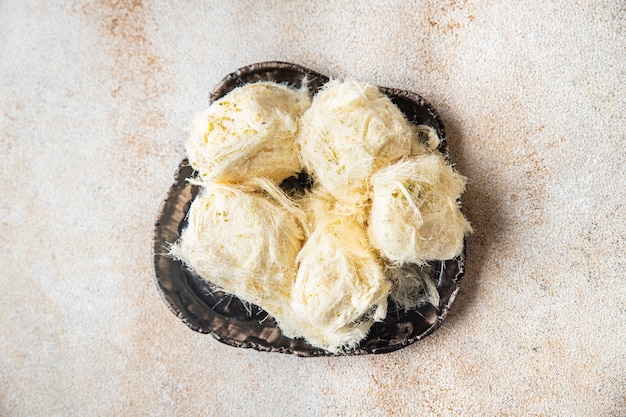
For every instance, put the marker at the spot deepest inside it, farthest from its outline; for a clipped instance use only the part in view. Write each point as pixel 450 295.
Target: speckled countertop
pixel 94 100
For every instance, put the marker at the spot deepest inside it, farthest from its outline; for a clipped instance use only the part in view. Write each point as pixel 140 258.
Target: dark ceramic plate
pixel 205 309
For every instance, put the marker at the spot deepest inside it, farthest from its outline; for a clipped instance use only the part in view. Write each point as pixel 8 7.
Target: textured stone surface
pixel 94 100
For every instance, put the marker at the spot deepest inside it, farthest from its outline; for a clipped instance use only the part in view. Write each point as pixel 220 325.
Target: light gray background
pixel 94 100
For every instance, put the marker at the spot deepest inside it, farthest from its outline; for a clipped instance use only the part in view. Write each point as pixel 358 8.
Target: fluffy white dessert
pixel 340 288
pixel 350 131
pixel 250 132
pixel 383 204
pixel 414 216
pixel 245 240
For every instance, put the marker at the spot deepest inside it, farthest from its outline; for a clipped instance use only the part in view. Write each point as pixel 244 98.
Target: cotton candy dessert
pixel 350 131
pixel 414 215
pixel 340 288
pixel 248 133
pixel 323 264
pixel 244 239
